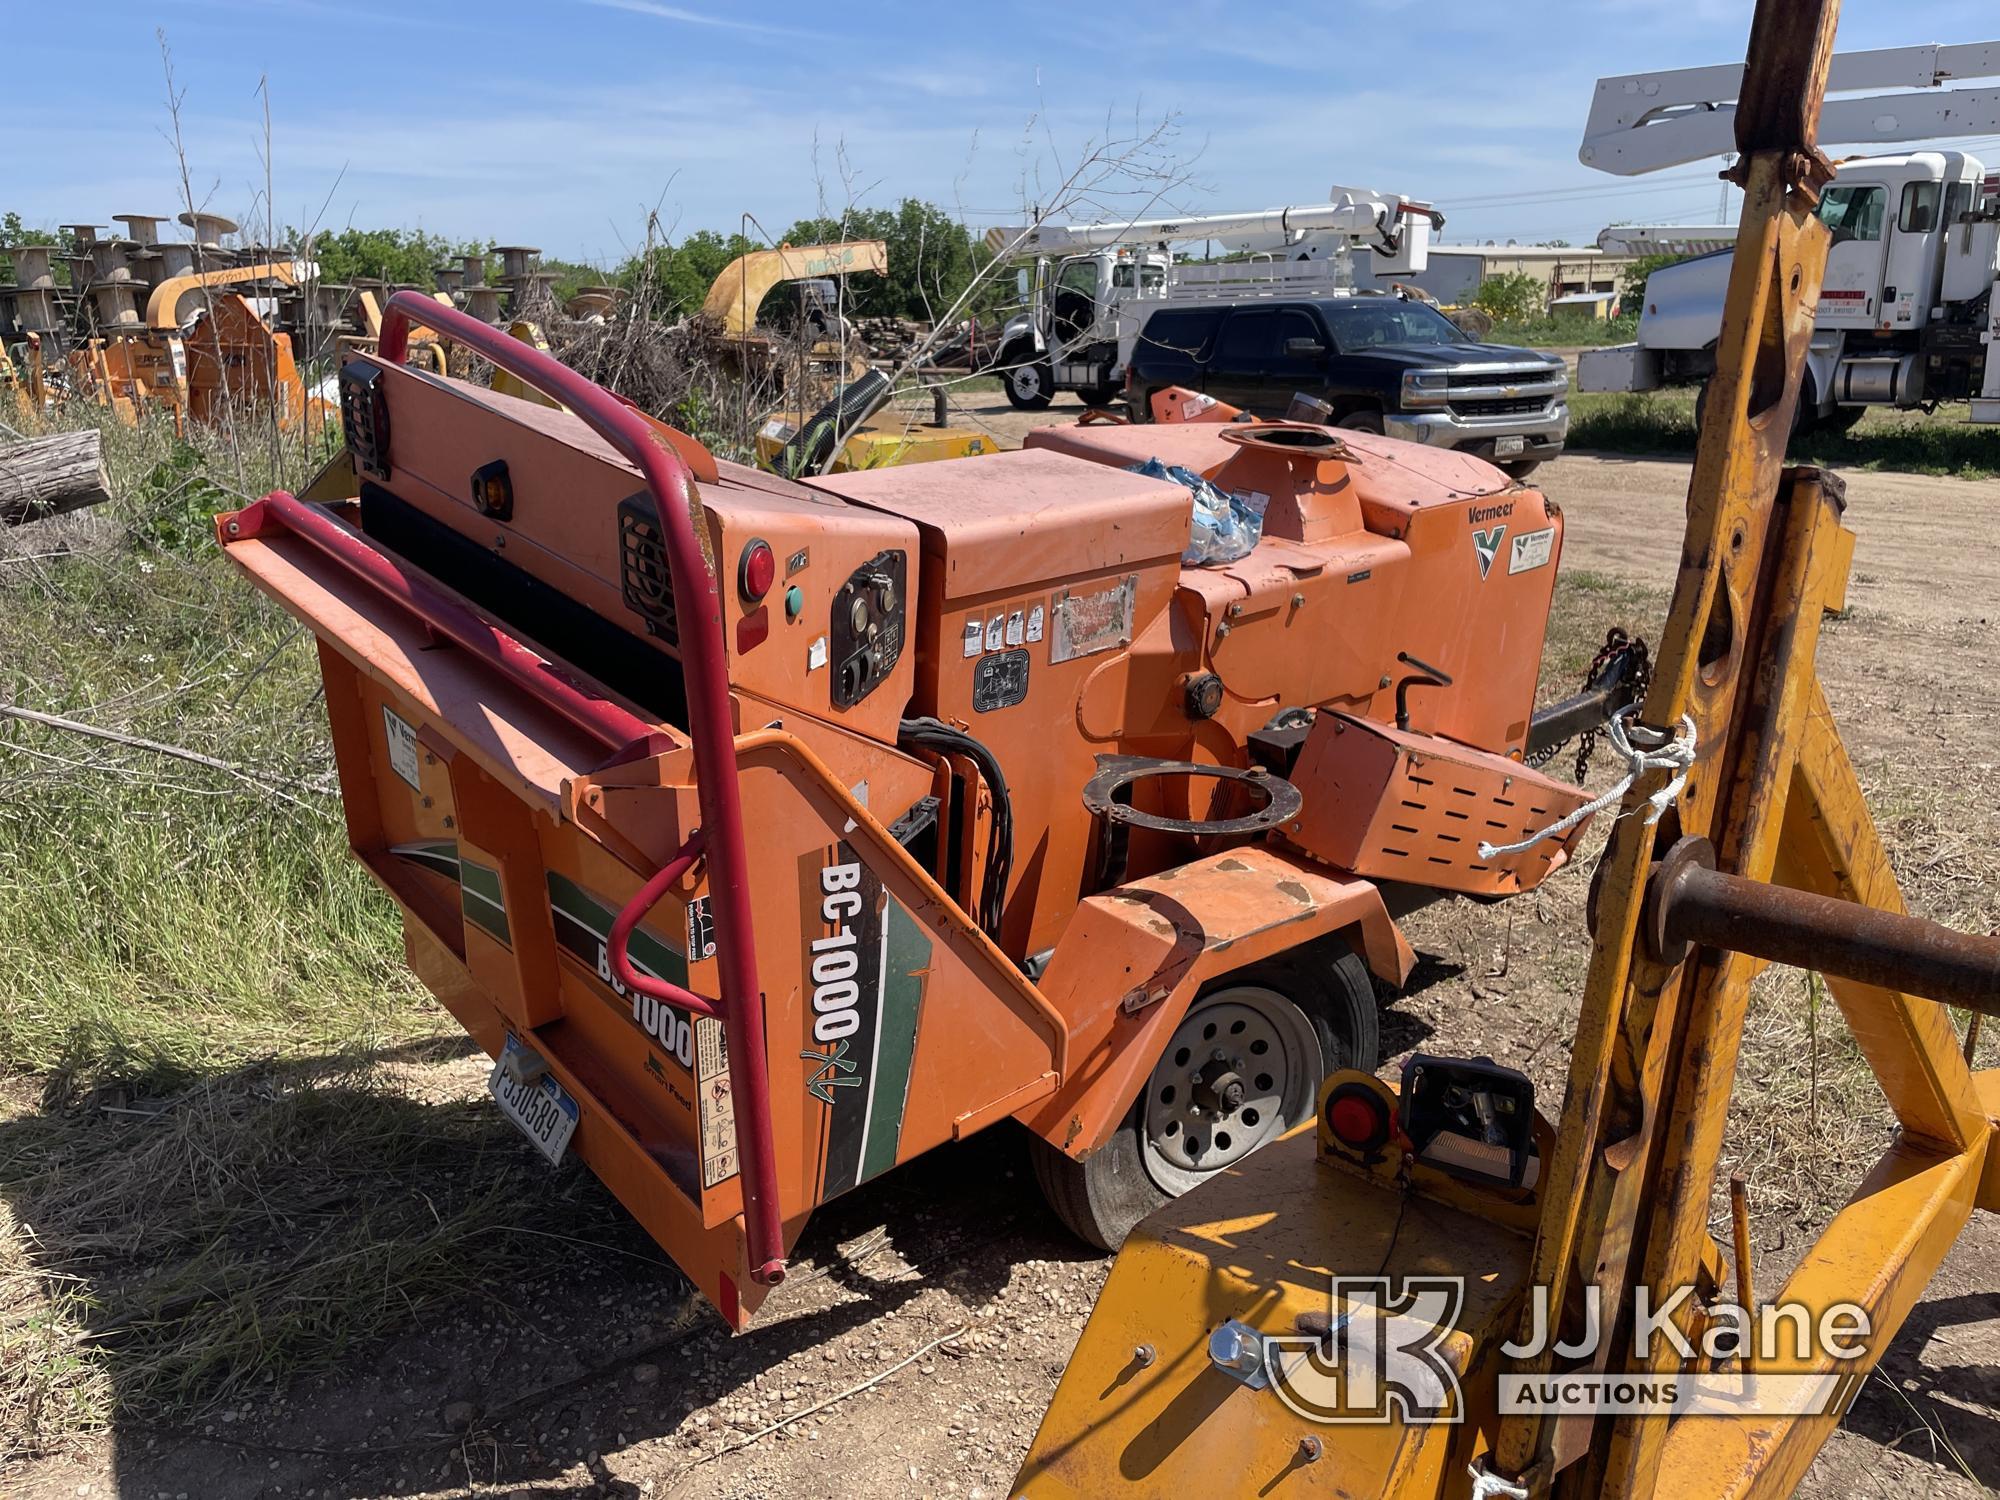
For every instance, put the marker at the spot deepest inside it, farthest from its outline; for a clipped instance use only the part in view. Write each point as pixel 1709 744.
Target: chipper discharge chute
pixel 768 834
pixel 1436 1290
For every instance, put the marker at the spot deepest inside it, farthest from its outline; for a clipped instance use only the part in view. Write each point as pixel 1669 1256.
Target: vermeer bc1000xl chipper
pixel 769 834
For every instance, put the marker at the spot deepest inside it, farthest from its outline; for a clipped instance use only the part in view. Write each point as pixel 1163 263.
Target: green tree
pixel 1632 284
pixel 683 273
pixel 932 258
pixel 14 232
pixel 1512 297
pixel 402 257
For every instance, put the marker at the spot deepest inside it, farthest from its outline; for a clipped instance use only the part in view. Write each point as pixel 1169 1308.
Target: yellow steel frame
pixel 1632 1179
pixel 1625 1196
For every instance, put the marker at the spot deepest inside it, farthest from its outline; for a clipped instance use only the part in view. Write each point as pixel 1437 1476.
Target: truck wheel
pixel 1243 1067
pixel 1100 396
pixel 1804 419
pixel 1030 384
pixel 1362 421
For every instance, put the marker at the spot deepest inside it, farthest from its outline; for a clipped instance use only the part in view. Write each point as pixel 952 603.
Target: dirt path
pixel 935 1308
pixel 1913 664
pixel 1926 550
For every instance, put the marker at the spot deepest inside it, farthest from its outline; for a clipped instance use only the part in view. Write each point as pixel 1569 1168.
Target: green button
pixel 795 602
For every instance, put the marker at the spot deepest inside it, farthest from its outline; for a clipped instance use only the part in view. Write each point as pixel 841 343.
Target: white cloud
pixel 698 18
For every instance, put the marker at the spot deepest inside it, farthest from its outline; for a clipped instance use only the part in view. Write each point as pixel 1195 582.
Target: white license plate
pixel 1509 447
pixel 547 1116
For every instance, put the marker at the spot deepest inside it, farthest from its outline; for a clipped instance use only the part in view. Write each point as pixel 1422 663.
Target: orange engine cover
pixel 1393 805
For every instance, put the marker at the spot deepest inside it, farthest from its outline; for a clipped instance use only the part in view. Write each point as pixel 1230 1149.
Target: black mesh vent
pixel 364 416
pixel 642 567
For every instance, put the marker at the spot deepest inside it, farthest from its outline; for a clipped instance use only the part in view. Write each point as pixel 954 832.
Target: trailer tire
pixel 1100 397
pixel 1331 1000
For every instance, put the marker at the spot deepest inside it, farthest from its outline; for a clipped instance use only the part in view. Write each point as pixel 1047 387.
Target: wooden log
pixel 47 476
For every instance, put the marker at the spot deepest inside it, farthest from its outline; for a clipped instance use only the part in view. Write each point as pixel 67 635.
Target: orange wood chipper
pixel 201 347
pixel 771 833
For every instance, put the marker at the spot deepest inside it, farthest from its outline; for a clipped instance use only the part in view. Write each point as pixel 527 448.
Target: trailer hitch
pixel 1617 677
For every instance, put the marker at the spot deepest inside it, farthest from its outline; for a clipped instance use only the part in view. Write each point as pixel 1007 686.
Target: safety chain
pixel 1617 643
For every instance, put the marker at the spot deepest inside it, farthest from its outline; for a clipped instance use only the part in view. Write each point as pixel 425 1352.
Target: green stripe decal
pixel 480 898
pixel 440 856
pixel 477 877
pixel 906 962
pixel 583 924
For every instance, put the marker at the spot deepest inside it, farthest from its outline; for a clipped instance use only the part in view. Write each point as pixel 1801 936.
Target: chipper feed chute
pixel 768 834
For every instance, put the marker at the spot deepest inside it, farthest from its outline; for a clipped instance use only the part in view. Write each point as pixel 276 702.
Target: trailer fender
pixel 1133 959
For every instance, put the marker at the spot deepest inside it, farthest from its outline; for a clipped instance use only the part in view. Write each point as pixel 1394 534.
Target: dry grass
pixel 266 1222
pixel 1807 1118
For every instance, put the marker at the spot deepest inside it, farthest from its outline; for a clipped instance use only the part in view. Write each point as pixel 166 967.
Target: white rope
pixel 1677 755
pixel 1486 1485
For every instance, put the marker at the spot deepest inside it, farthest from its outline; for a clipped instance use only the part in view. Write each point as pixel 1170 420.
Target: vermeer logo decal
pixel 1486 546
pixel 1532 549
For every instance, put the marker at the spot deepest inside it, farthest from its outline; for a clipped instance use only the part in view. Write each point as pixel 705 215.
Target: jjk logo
pixel 1376 1356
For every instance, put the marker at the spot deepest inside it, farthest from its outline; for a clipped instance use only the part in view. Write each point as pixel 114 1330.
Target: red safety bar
pixel 611 726
pixel 698 612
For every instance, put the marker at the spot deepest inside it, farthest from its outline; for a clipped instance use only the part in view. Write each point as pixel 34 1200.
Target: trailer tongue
pixel 767 835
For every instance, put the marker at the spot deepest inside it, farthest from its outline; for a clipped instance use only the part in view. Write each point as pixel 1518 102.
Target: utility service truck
pixel 1908 315
pixel 1092 286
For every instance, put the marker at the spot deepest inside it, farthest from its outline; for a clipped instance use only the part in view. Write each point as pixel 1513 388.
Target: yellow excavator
pixel 1438 1289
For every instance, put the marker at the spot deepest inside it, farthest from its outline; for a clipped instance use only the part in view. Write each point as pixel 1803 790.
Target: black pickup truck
pixel 1383 362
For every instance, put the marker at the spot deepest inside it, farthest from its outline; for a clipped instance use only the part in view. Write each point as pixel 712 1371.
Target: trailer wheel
pixel 1100 396
pixel 1029 381
pixel 1242 1068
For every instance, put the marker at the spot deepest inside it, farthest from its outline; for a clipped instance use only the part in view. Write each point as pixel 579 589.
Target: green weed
pixel 1943 443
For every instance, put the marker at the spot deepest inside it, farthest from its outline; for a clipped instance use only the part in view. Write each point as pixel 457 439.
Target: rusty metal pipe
pixel 1689 901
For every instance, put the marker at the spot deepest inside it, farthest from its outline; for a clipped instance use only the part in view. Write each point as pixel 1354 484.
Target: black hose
pixel 935 734
pixel 814 443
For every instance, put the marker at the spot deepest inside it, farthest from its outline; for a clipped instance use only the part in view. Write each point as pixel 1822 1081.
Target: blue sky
pixel 559 123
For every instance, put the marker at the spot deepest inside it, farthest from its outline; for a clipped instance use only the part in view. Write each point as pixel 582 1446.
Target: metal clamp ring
pixel 1116 773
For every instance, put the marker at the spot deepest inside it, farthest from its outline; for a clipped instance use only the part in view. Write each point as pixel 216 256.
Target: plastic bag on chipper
pixel 1225 527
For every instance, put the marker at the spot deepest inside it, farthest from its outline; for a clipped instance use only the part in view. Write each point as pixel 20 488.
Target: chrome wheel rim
pixel 1241 1069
